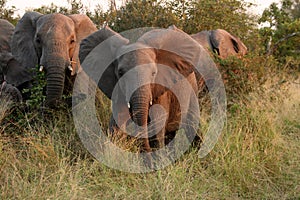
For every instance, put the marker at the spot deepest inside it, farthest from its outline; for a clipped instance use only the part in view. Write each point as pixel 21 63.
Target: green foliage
pixel 98 16
pixel 282 33
pixel 7 13
pixel 139 13
pixel 75 7
pixel 208 15
pixel 242 76
pixel 295 11
pixel 36 93
pixel 51 9
pixel 191 16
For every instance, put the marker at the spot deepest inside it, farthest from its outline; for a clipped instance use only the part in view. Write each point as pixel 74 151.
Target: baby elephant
pixel 152 82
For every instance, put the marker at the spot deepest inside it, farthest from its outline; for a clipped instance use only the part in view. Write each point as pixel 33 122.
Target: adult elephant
pixel 51 42
pixel 151 81
pixel 9 67
pixel 221 42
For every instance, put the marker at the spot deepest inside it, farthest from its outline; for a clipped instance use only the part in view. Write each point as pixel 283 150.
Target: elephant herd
pixel 57 45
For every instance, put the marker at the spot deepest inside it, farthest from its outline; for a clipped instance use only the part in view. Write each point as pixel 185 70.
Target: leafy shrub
pixel 36 92
pixel 242 75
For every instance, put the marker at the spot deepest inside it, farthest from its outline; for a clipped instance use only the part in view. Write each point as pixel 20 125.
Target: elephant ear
pixel 83 27
pixel 111 42
pixel 6 32
pixel 203 38
pixel 227 44
pixel 185 48
pixel 175 49
pixel 22 41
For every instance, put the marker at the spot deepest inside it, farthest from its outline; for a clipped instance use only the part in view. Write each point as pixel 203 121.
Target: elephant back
pixel 203 38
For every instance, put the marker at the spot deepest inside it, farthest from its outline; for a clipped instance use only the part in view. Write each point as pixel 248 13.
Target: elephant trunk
pixel 55 77
pixel 139 102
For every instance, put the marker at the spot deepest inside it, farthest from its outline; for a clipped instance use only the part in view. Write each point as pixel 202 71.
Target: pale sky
pixel 22 5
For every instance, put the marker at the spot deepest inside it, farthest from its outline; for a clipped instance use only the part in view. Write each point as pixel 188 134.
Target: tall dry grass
pixel 257 156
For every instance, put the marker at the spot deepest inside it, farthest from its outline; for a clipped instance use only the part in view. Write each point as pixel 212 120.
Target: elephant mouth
pixel 69 66
pixel 129 105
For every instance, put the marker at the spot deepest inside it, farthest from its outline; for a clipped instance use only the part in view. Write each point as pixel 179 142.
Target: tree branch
pixel 271 50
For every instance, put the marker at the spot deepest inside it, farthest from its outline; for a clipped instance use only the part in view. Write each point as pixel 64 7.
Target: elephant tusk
pixel 70 68
pixel 128 105
pixel 41 68
pixel 151 102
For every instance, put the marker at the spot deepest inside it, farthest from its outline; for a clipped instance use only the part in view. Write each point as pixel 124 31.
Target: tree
pixel 282 34
pixel 51 9
pixel 295 11
pixel 140 13
pixel 191 16
pixel 7 13
pixel 212 14
pixel 76 7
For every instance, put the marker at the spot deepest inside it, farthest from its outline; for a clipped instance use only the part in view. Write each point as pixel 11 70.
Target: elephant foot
pixel 148 161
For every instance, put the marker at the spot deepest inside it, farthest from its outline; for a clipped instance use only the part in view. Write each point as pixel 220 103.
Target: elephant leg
pixel 158 141
pixel 192 124
pixel 160 137
pixel 145 145
pixel 157 127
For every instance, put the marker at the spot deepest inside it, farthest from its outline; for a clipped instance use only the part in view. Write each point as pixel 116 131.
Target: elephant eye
pixel 121 72
pixel 72 41
pixel 38 40
pixel 153 73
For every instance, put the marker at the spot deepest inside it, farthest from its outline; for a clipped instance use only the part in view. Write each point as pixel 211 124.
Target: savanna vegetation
pixel 256 157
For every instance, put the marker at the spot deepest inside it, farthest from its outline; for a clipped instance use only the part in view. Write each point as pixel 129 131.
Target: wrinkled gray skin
pixel 9 67
pixel 149 95
pixel 51 42
pixel 8 91
pixel 221 42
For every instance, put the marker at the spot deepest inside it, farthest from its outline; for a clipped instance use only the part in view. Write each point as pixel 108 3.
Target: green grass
pixel 257 157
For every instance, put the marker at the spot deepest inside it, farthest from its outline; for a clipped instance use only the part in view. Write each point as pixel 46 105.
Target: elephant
pixel 147 76
pixel 50 43
pixel 9 67
pixel 221 42
pixel 9 92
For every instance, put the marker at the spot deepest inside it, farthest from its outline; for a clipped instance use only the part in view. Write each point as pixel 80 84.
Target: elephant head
pixel 221 42
pixel 130 81
pixel 51 42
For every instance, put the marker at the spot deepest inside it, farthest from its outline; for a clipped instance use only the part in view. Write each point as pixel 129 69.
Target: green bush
pixel 36 92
